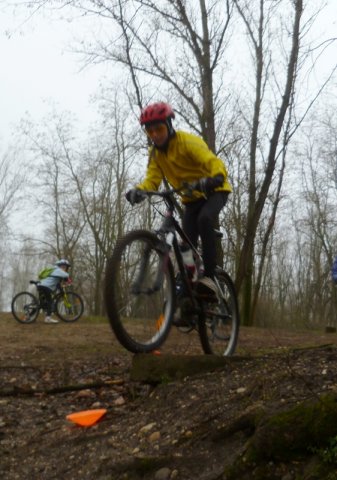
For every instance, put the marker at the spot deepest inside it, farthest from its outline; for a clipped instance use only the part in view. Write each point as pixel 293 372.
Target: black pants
pixel 46 300
pixel 198 220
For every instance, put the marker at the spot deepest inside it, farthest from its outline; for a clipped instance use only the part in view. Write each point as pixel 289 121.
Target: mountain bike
pixel 147 287
pixel 67 305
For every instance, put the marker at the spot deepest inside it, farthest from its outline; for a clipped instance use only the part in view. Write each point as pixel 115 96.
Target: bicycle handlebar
pixel 186 189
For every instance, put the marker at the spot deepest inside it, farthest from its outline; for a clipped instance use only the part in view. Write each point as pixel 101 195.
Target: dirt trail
pixel 171 431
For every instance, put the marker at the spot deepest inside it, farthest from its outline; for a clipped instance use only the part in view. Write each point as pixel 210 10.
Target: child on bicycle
pixel 48 285
pixel 181 157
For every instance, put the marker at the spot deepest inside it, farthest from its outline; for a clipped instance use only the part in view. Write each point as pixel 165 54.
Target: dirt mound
pixel 201 426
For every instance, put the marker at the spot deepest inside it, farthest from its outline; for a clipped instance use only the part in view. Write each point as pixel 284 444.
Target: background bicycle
pixel 148 289
pixel 67 304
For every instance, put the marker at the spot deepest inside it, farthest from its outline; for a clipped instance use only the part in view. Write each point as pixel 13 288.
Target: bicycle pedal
pixel 181 322
pixel 186 323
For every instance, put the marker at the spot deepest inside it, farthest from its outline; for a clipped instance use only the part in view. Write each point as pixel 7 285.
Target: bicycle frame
pixel 148 288
pixel 60 290
pixel 169 232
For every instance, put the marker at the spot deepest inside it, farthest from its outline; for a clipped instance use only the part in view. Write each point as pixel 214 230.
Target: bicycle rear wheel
pixel 140 291
pixel 219 322
pixel 69 306
pixel 25 307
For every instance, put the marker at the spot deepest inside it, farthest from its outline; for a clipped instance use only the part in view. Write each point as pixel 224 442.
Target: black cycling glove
pixel 135 195
pixel 206 185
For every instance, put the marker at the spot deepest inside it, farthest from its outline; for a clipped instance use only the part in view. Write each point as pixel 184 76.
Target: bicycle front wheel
pixel 25 307
pixel 219 322
pixel 140 291
pixel 69 306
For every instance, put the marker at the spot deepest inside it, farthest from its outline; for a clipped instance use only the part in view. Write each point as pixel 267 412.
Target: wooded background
pixel 247 76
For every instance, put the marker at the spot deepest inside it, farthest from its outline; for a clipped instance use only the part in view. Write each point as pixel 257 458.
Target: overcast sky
pixel 37 67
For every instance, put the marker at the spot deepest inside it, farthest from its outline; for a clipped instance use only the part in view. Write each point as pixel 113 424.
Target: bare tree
pixel 297 289
pixel 11 183
pixel 260 23
pixel 148 30
pixel 12 189
pixel 318 220
pixel 83 198
pixel 63 219
pixel 178 49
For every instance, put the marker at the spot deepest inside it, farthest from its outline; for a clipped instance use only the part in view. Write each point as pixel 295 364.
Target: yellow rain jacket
pixel 187 159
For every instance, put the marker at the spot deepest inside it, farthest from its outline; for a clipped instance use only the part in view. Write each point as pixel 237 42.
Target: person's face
pixel 158 133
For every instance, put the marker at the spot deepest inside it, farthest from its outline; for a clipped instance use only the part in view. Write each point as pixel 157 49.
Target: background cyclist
pixel 48 285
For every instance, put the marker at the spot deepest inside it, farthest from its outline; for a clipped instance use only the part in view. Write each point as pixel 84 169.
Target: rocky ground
pixel 203 426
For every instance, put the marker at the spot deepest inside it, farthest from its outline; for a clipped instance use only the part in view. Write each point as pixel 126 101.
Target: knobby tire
pixel 69 307
pixel 25 307
pixel 140 291
pixel 218 324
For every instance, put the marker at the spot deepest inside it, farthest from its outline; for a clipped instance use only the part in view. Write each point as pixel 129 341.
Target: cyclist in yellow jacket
pixel 182 157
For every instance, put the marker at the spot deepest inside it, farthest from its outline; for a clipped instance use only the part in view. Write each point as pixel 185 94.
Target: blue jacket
pixel 54 278
pixel 334 270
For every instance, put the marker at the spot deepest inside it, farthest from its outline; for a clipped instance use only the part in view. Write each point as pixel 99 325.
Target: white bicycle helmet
pixel 63 261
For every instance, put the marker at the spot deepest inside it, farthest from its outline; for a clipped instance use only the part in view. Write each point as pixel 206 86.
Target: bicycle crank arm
pixel 135 290
pixel 217 315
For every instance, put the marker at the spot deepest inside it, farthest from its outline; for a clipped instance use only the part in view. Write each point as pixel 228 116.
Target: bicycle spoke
pixel 25 307
pixel 220 322
pixel 69 306
pixel 139 292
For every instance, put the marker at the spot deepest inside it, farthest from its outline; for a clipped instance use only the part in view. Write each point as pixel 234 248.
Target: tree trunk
pixel 245 271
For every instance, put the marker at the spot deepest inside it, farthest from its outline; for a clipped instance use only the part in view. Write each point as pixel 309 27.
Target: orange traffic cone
pixel 86 418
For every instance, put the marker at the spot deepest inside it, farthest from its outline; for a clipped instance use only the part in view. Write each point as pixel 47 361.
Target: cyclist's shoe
pixel 181 321
pixel 50 320
pixel 205 287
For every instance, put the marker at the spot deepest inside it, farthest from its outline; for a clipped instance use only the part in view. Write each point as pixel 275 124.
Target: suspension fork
pixel 65 299
pixel 187 284
pixel 163 247
pixel 163 250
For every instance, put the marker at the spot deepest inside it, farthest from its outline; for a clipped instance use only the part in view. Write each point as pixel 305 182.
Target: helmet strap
pixel 170 128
